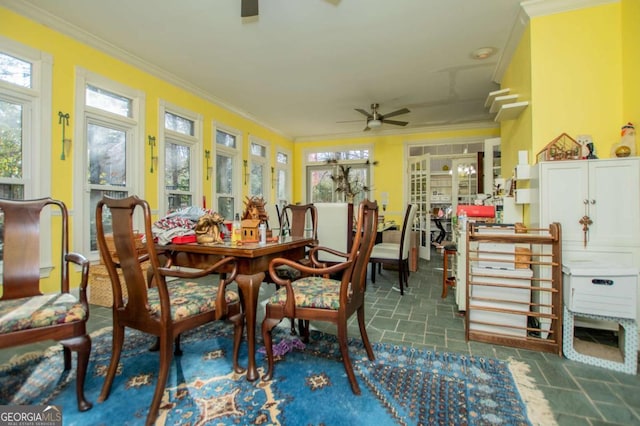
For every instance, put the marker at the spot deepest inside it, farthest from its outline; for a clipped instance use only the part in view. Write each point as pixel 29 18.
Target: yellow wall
pixel 576 76
pixel 631 64
pixel 516 134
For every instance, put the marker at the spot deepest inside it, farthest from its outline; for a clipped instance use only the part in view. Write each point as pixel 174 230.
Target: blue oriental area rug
pixel 403 386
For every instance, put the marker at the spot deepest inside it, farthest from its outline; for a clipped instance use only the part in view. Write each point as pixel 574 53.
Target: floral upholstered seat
pixel 311 292
pixel 40 311
pixel 189 298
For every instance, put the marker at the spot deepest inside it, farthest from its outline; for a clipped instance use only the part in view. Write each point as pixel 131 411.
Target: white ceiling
pixel 302 66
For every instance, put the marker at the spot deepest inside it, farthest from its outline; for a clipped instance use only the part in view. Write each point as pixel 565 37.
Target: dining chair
pixel 396 254
pixel 166 308
pixel 294 221
pixel 326 293
pixel 28 312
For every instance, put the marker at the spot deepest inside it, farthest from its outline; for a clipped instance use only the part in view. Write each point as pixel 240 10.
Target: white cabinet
pixel 597 202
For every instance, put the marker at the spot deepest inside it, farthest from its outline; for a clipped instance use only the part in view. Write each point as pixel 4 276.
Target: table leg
pixel 250 288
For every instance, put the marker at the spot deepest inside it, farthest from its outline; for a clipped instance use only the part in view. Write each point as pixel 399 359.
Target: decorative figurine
pixel 627 145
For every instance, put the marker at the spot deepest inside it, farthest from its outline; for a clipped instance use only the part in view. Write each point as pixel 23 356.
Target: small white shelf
pixel 499 101
pixel 493 95
pixel 510 111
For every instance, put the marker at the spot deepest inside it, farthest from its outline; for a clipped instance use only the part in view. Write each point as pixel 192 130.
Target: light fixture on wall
pixel 63 119
pixel 384 200
pixel 154 159
pixel 273 177
pixel 246 171
pixel 207 155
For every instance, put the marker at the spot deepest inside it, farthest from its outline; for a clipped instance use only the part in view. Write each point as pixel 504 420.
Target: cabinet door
pixel 614 202
pixel 563 189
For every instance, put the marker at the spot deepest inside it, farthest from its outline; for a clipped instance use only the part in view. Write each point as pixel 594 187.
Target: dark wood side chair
pixel 396 253
pixel 167 308
pixel 293 222
pixel 28 315
pixel 317 297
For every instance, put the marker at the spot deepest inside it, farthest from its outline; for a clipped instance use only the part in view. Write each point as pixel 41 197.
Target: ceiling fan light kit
pixel 372 124
pixel 375 119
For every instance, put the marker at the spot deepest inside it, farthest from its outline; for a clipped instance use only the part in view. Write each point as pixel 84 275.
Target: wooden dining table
pixel 253 262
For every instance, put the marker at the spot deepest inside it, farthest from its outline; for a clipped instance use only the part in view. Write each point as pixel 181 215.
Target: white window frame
pixel 288 170
pixel 36 172
pixel 264 161
pixel 135 126
pixel 194 143
pixel 337 148
pixel 236 155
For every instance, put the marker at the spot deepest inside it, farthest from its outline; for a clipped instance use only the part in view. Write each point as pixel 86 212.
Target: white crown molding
pixel 397 132
pixel 532 9
pixel 43 17
pixel 521 22
pixel 536 8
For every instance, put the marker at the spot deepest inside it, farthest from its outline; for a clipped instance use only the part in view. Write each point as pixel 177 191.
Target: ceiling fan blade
pixel 397 123
pixel 394 113
pixel 249 8
pixel 361 111
pixel 366 129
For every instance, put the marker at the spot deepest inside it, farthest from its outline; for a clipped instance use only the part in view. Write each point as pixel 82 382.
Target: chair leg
pixel 267 326
pixel 364 335
pixel 373 272
pixel 166 354
pixel 116 350
pixel 401 278
pixel 81 345
pixel 66 354
pixel 303 325
pixel 346 360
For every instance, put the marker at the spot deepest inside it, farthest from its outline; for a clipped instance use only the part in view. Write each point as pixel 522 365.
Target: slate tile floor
pixel 579 394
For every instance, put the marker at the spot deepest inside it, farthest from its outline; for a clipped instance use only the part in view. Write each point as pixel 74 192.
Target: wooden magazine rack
pixel 514 286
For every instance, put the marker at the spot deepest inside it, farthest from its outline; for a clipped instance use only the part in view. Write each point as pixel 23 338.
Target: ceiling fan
pixel 249 8
pixel 375 119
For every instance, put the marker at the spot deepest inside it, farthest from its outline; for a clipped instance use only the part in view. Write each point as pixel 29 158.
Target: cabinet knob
pixel 593 201
pixel 585 201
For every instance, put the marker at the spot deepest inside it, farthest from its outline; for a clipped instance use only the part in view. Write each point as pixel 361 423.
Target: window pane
pixel 108 101
pixel 178 201
pixel 12 191
pixel 225 139
pixel 282 158
pixel 178 124
pixel 357 154
pixel 15 71
pixel 257 180
pixel 224 174
pixel 107 155
pixel 281 190
pixel 177 167
pixel 225 207
pixel 10 140
pixel 94 197
pixel 321 185
pixel 258 150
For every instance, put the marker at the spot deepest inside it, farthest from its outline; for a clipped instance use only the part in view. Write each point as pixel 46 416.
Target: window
pixel 109 148
pixel 182 168
pixel 259 165
pixel 25 121
pixel 227 171
pixel 282 173
pixel 325 171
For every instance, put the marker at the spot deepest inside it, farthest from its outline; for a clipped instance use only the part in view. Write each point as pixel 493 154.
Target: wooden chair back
pixel 21 247
pixel 295 218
